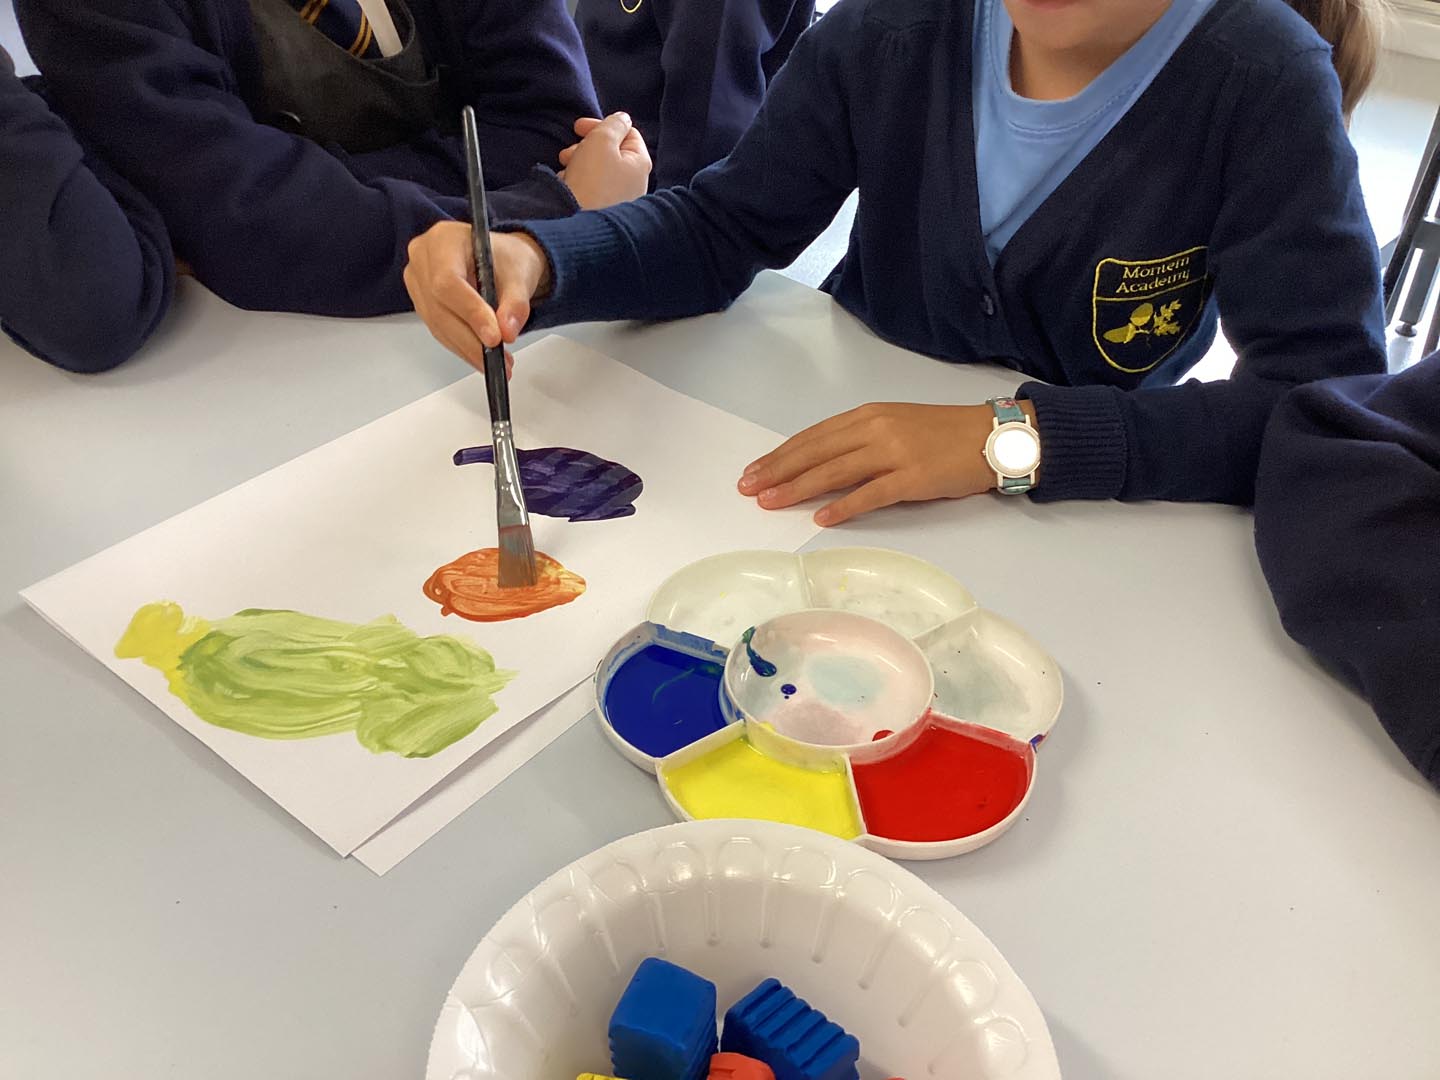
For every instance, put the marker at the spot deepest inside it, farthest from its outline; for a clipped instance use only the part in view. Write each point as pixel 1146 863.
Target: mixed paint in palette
pixel 869 697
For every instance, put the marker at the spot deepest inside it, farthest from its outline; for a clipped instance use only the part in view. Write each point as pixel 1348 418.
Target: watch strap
pixel 1008 411
pixel 1015 485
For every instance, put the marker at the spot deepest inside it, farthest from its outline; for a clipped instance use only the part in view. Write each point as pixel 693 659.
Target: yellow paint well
pixel 738 781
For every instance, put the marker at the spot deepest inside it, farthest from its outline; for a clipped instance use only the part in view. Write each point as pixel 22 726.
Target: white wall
pixel 1415 29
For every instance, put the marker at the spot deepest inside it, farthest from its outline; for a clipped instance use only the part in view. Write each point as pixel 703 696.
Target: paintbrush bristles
pixel 517 548
pixel 517 557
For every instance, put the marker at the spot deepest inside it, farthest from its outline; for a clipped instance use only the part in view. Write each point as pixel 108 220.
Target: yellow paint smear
pixel 737 781
pixel 159 634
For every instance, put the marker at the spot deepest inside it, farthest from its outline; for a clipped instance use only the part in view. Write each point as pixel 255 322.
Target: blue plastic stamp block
pixel 774 1026
pixel 664 1026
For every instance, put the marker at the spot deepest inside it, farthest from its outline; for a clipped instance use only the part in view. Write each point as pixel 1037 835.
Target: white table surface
pixel 1226 869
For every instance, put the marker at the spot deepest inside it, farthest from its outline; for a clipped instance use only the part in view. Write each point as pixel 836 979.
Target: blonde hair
pixel 1353 29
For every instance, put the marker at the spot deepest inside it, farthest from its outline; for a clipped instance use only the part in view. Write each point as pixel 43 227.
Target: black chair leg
pixel 1427 266
pixel 1432 339
pixel 1421 198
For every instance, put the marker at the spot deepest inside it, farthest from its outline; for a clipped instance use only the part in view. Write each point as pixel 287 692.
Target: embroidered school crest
pixel 1143 309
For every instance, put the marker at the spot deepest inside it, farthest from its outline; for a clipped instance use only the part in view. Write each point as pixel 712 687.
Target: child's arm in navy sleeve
pixel 712 56
pixel 266 219
pixel 1347 527
pixel 760 207
pixel 529 80
pixel 1297 280
pixel 86 270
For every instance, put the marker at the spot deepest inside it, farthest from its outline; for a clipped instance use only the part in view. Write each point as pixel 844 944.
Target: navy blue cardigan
pixel 163 89
pixel 1231 176
pixel 1347 526
pixel 691 73
pixel 86 270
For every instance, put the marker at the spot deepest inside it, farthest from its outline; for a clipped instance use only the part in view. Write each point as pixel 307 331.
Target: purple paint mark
pixel 788 690
pixel 564 483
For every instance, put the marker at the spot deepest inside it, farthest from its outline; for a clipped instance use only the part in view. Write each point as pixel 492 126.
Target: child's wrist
pixel 539 268
pixel 983 419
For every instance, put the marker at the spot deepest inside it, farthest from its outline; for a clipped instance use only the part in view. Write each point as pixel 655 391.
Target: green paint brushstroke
pixel 287 675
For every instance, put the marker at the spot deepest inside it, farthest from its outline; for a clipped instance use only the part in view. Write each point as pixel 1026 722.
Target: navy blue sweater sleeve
pixel 267 219
pixel 1297 278
pixel 1347 527
pixel 687 251
pixel 713 60
pixel 86 271
pixel 525 73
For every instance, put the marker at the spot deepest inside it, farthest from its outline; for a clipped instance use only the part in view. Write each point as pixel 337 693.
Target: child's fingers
pixel 829 425
pixel 440 278
pixel 832 475
pixel 457 336
pixel 569 152
pixel 586 124
pixel 514 311
pixel 633 147
pixel 448 329
pixel 458 296
pixel 824 442
pixel 612 129
pixel 882 491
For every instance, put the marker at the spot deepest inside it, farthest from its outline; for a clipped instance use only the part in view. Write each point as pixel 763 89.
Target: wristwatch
pixel 1013 448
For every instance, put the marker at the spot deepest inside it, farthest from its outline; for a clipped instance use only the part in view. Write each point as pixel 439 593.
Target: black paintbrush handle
pixel 497 390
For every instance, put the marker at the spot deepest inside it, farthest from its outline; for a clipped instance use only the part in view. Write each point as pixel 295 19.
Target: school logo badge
pixel 1142 310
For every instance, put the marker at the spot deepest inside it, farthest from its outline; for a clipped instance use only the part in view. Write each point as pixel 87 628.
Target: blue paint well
pixel 660 700
pixel 764 668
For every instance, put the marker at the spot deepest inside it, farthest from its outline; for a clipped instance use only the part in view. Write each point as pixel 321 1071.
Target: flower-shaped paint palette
pixel 856 691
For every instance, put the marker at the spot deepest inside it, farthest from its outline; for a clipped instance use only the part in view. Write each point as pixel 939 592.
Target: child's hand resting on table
pixel 886 453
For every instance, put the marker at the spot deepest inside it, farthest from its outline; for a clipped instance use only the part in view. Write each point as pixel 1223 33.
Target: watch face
pixel 1015 451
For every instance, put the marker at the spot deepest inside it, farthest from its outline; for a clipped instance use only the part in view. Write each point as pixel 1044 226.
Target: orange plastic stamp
pixel 738 1067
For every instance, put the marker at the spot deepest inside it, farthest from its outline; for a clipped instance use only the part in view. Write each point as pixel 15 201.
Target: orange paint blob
pixel 470 587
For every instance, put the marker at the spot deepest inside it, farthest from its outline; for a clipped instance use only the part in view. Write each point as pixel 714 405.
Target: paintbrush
pixel 517 548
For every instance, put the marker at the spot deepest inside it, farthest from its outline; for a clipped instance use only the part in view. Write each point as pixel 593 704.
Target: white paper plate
pixel 863 940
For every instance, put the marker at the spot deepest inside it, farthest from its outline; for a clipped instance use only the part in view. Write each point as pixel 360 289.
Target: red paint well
pixel 955 780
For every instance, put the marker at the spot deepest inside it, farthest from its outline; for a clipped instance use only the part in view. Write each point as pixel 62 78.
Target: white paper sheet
pixel 353 529
pixel 472 781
